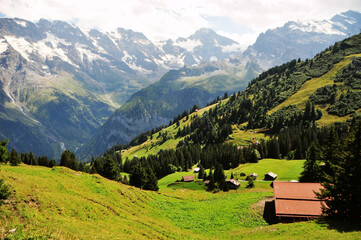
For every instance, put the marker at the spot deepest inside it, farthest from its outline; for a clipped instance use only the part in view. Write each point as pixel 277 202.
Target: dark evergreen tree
pixel 151 180
pixel 311 169
pixel 68 159
pixel 32 159
pixel 219 177
pixel 4 153
pixel 211 184
pixel 138 176
pixel 15 159
pixel 110 169
pixel 342 188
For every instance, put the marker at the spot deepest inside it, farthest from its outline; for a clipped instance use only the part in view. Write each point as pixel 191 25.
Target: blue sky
pixel 241 20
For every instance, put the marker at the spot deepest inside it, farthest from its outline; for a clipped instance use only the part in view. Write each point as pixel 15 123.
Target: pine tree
pixel 15 159
pixel 342 187
pixel 137 177
pixel 32 159
pixel 68 159
pixel 151 181
pixel 110 169
pixel 219 177
pixel 4 153
pixel 211 184
pixel 311 168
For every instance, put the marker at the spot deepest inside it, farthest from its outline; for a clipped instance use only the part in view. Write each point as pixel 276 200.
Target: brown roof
pixel 188 178
pixel 297 208
pixel 296 190
pixel 293 199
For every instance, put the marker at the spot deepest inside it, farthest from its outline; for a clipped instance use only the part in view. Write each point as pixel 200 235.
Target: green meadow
pixel 60 203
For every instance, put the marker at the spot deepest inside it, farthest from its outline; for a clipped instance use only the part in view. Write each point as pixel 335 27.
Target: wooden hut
pixel 297 200
pixel 270 176
pixel 188 178
pixel 233 184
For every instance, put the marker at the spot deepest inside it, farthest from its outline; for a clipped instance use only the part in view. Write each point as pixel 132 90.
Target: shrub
pixel 4 191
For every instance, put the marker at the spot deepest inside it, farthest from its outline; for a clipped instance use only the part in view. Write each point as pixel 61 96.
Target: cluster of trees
pixel 143 177
pixel 217 180
pixel 336 163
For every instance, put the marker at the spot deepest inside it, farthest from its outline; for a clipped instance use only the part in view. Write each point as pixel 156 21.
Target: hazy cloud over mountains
pixel 159 20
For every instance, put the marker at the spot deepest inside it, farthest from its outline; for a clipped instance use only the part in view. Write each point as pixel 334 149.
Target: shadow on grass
pixel 269 213
pixel 340 225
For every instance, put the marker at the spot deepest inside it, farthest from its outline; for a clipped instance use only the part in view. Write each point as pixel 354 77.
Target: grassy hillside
pixel 60 203
pixel 63 204
pixel 285 170
pixel 277 100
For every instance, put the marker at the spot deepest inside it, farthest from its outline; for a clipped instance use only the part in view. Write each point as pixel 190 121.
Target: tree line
pixel 336 164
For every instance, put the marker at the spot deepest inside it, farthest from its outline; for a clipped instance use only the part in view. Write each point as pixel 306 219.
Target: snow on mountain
pixel 203 46
pixel 301 39
pixel 3 45
pixel 325 27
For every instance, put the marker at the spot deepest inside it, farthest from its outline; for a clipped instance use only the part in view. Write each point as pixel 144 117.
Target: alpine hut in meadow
pixel 233 183
pixel 188 178
pixel 270 176
pixel 297 200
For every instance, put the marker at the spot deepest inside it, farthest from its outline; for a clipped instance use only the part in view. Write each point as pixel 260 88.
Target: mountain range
pixel 59 84
pixel 293 98
pixel 292 41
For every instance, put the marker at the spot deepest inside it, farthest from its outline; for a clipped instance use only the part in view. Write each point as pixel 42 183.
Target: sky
pixel 240 20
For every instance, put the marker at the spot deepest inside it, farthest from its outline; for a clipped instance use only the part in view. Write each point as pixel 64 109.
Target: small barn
pixel 297 200
pixel 188 178
pixel 253 175
pixel 270 176
pixel 196 170
pixel 233 184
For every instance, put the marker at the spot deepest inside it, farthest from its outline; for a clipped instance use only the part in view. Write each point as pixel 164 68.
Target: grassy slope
pixel 153 146
pixel 285 170
pixel 59 203
pixel 309 87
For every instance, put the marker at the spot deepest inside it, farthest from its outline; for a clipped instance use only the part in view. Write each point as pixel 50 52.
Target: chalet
pixel 196 170
pixel 253 175
pixel 233 184
pixel 297 200
pixel 188 178
pixel 270 176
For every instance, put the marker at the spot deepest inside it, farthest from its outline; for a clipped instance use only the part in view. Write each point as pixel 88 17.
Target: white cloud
pixel 162 19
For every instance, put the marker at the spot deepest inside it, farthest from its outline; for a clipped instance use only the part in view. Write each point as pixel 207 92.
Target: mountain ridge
pixel 316 92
